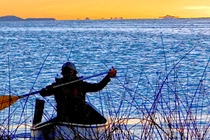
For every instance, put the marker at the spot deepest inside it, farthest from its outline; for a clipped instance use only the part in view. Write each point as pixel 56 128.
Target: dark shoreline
pixel 15 18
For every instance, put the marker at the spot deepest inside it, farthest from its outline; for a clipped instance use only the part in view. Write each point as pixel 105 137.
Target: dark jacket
pixel 70 98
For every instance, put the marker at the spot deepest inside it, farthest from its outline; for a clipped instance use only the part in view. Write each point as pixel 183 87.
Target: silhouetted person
pixel 70 98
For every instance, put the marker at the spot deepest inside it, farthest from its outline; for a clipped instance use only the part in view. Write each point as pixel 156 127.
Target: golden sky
pixel 97 9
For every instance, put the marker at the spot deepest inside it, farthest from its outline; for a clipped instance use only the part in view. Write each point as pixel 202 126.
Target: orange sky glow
pixel 98 9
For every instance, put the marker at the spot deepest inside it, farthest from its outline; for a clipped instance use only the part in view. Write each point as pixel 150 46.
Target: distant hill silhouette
pixel 169 17
pixel 14 18
pixel 10 18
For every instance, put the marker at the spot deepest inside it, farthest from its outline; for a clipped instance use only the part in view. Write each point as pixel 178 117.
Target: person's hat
pixel 69 65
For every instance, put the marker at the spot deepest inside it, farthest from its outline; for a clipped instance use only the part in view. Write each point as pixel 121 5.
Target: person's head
pixel 68 69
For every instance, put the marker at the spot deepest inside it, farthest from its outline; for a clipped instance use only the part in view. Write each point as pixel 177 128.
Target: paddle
pixel 8 100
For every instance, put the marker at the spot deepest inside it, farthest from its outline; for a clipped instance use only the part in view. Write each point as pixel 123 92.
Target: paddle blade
pixel 7 100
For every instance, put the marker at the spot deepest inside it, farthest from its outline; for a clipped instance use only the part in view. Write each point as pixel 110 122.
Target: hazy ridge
pixel 15 18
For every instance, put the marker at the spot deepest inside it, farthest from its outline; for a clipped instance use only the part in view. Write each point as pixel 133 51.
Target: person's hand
pixel 42 91
pixel 112 73
pixel 49 87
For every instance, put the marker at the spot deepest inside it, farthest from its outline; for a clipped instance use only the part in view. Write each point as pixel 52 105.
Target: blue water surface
pixel 162 65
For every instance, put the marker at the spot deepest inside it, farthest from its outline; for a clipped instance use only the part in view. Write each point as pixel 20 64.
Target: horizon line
pixel 111 18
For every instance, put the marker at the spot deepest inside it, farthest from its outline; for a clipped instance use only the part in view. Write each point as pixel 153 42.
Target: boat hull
pixel 69 131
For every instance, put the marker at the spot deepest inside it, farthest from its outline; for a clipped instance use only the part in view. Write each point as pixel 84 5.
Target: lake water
pixel 163 68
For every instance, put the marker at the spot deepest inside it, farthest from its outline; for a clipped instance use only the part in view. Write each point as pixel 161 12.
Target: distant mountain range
pixel 169 17
pixel 14 18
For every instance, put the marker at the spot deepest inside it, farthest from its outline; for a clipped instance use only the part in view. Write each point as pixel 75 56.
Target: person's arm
pixel 47 91
pixel 94 87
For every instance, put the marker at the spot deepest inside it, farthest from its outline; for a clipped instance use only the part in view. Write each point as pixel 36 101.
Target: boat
pixel 70 131
pixel 55 129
